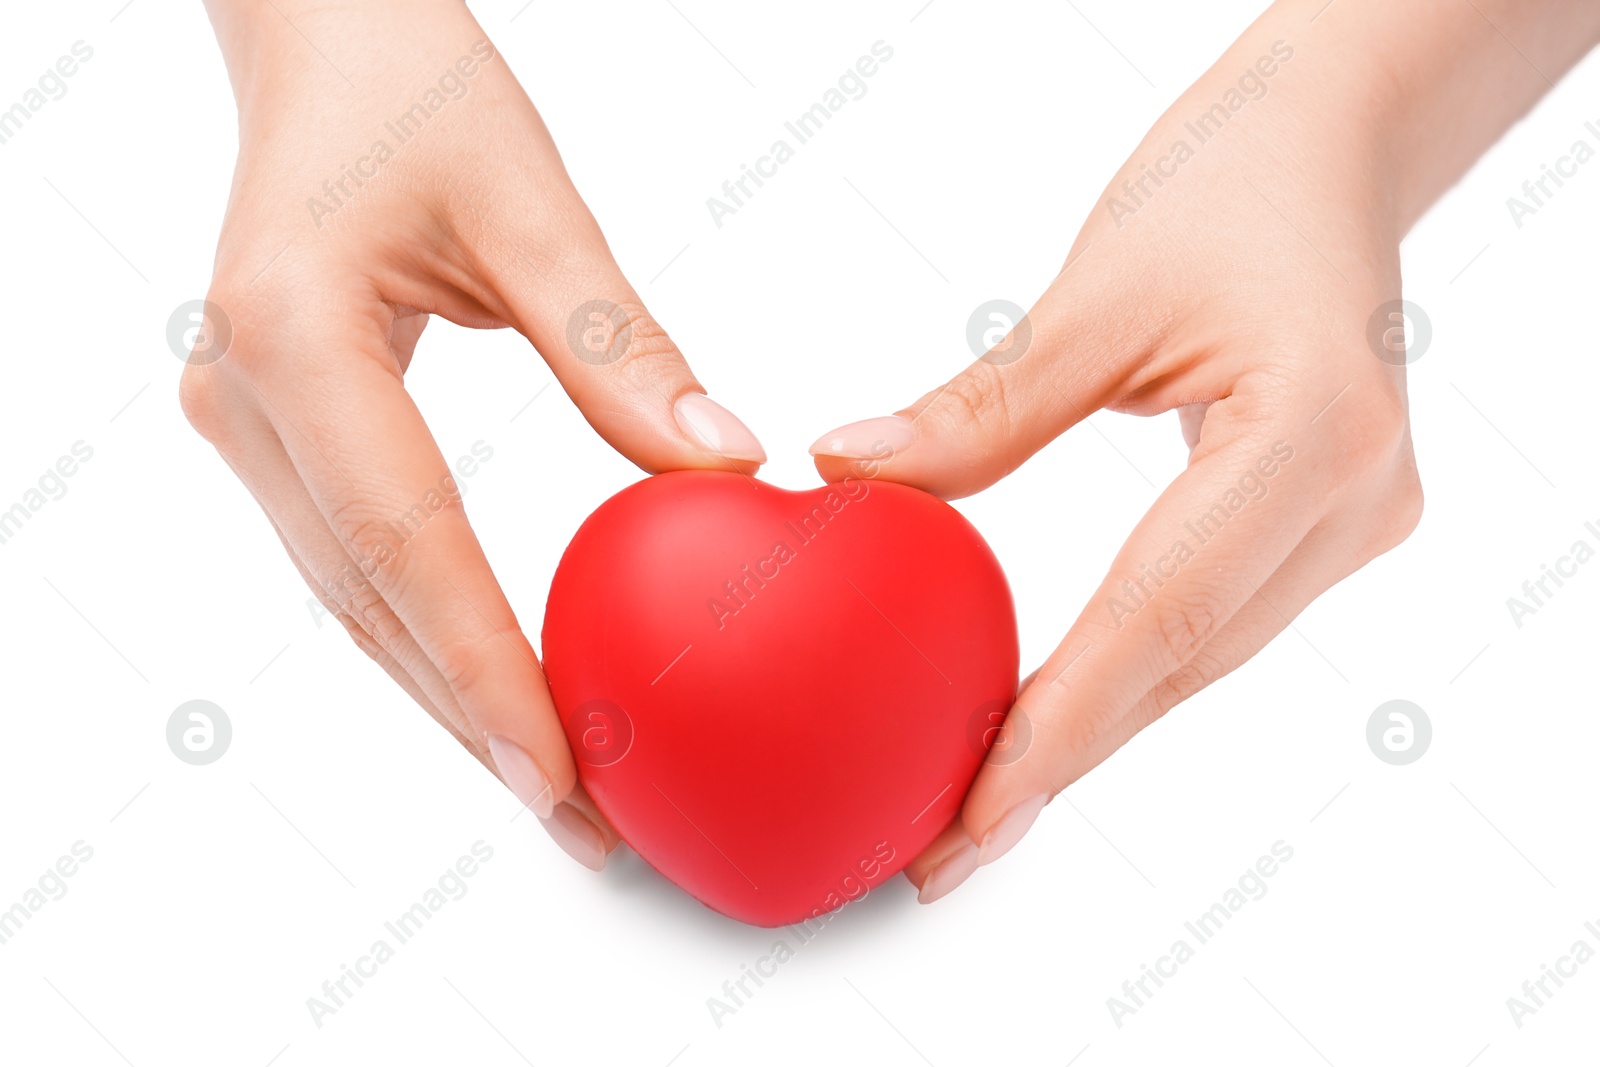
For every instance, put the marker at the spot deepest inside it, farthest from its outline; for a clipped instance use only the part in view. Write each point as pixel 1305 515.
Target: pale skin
pixel 1238 293
pixel 1207 301
pixel 309 405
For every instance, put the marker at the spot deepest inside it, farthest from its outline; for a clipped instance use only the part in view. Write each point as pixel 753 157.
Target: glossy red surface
pixel 778 698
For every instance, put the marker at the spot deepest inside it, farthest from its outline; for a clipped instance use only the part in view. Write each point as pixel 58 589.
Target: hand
pixel 1232 279
pixel 424 184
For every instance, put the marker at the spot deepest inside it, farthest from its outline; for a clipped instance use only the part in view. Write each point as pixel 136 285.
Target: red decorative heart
pixel 778 698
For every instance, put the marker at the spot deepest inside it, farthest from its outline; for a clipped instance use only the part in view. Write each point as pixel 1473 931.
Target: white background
pixel 219 898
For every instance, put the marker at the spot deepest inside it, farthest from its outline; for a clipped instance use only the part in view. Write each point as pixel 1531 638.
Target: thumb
pixel 617 363
pixel 970 432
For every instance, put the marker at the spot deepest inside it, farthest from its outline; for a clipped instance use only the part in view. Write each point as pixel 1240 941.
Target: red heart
pixel 778 698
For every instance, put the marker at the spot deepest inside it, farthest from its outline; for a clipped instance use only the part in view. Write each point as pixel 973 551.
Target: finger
pixel 1212 539
pixel 1330 552
pixel 575 824
pixel 1375 521
pixel 1074 713
pixel 1316 565
pixel 1050 371
pixel 1190 564
pixel 956 854
pixel 257 457
pixel 379 482
pixel 369 644
pixel 404 334
pixel 1190 419
pixel 613 358
pixel 943 865
pixel 247 443
pixel 951 841
pixel 581 830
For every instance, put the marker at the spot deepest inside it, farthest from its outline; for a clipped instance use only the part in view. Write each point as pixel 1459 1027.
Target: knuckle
pixel 247 363
pixel 1087 727
pixel 461 663
pixel 356 526
pixel 1183 683
pixel 200 400
pixel 975 397
pixel 1400 513
pixel 1408 506
pixel 620 338
pixel 1086 738
pixel 377 618
pixel 647 339
pixel 268 320
pixel 1183 624
pixel 1376 439
pixel 369 537
pixel 358 634
pixel 1171 691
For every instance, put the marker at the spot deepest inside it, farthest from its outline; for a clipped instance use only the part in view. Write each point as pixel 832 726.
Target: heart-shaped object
pixel 778 698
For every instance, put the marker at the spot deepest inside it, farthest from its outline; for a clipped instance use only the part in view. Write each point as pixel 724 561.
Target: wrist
pixel 256 48
pixel 1287 115
pixel 273 50
pixel 1377 107
pixel 1406 97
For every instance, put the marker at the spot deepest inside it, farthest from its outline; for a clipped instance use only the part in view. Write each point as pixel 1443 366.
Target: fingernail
pixel 1009 830
pixel 955 869
pixel 868 439
pixel 577 836
pixel 522 775
pixel 710 424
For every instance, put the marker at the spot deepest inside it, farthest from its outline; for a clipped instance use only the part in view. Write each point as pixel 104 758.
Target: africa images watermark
pixel 853 887
pixel 1251 486
pixel 52 85
pixel 51 885
pixel 1536 991
pixel 1252 885
pixel 452 85
pixel 451 885
pixel 51 485
pixel 738 592
pixel 1252 85
pixel 1538 190
pixel 802 128
pixel 199 732
pixel 1536 591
